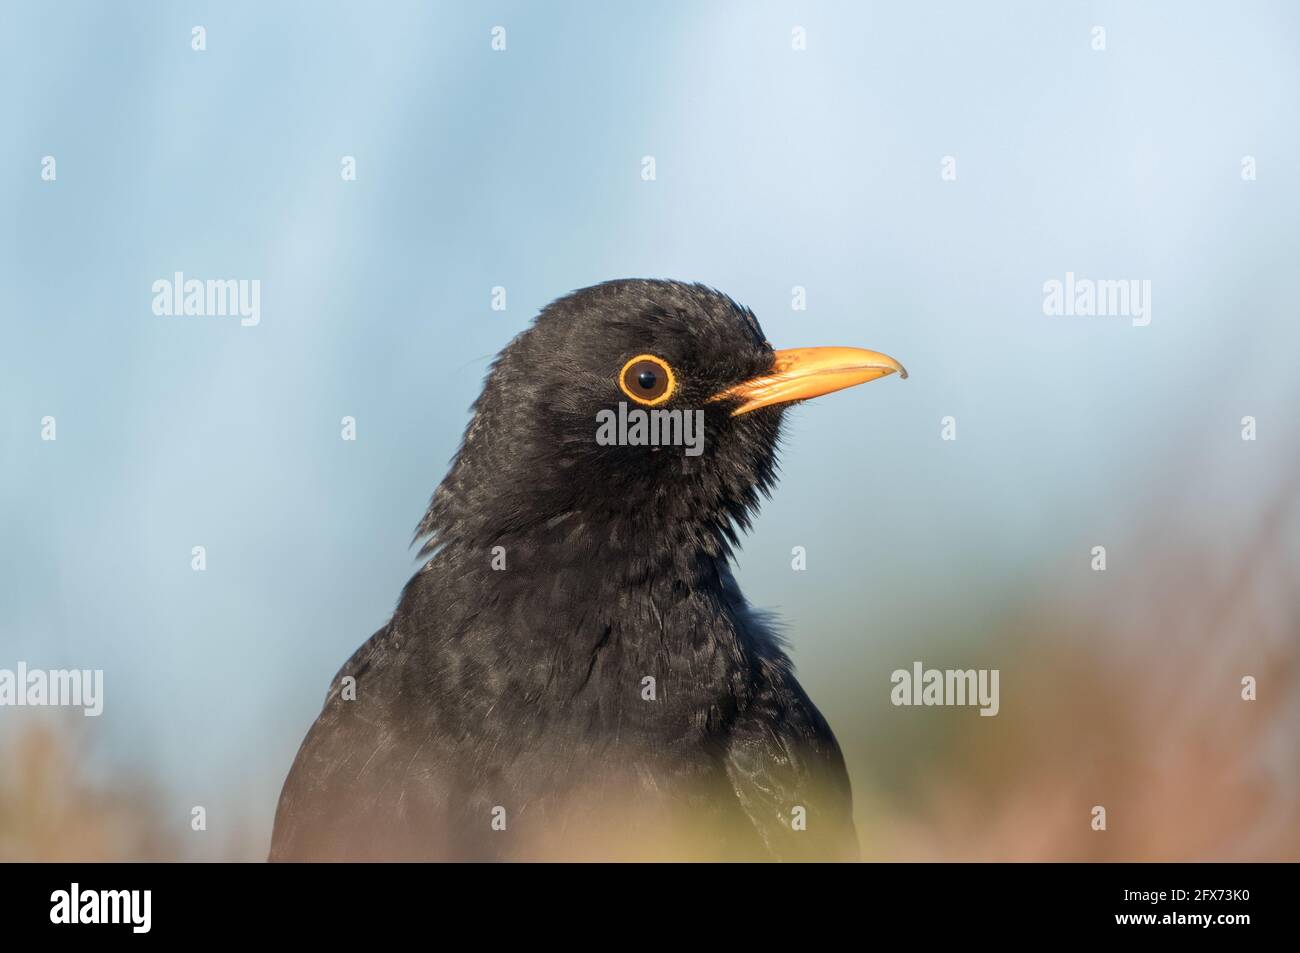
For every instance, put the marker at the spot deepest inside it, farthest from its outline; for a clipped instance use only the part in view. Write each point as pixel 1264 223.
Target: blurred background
pixel 775 168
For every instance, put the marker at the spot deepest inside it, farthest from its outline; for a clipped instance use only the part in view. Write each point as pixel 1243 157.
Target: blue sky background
pixel 522 168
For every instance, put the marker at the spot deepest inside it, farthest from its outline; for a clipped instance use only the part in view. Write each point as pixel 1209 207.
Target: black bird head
pixel 550 451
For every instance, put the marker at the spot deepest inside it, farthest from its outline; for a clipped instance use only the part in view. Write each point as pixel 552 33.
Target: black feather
pixel 522 690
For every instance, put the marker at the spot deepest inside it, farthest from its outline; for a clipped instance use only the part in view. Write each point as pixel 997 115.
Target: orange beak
pixel 801 373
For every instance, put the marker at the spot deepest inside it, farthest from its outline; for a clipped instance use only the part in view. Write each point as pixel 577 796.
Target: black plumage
pixel 517 697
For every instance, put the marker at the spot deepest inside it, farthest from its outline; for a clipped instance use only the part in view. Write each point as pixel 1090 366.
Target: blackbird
pixel 573 673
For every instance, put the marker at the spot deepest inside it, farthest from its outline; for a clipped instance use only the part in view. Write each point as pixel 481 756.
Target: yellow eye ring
pixel 647 379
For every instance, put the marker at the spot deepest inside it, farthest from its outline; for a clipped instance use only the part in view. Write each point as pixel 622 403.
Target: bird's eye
pixel 647 380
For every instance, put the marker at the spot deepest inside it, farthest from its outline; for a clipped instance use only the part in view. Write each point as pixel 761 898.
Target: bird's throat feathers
pixel 575 593
pixel 674 514
pixel 628 548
